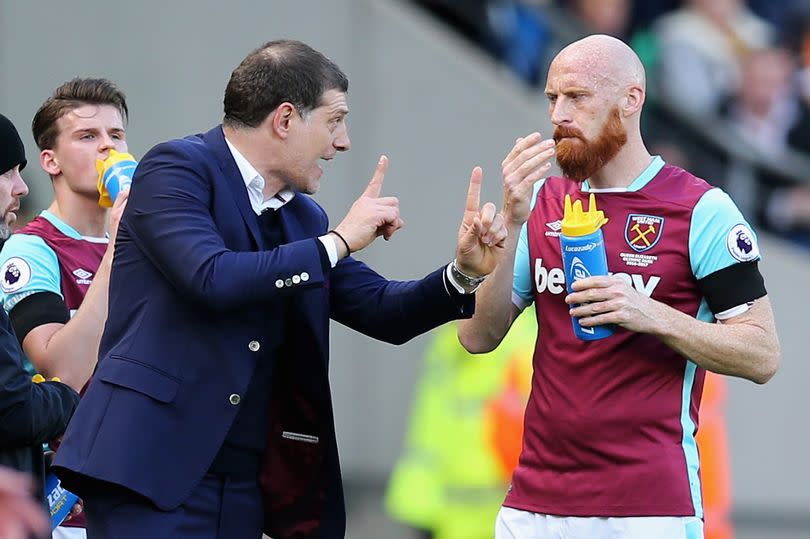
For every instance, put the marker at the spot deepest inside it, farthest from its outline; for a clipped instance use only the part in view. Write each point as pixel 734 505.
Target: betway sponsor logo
pixel 553 280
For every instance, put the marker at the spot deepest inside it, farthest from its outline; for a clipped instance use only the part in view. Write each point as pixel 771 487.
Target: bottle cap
pixel 576 222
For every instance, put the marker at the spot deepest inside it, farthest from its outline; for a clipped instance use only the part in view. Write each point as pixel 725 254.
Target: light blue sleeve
pixel 28 266
pixel 522 293
pixel 719 235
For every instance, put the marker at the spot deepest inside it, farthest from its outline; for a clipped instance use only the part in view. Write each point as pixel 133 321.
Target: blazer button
pixel 279 283
pixel 234 399
pixel 305 276
pixel 296 279
pixel 254 346
pixel 288 281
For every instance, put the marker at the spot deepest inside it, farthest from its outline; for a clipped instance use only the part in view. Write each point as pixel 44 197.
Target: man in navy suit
pixel 209 415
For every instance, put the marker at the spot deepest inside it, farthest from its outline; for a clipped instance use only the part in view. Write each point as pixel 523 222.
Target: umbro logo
pixel 556 227
pixel 82 276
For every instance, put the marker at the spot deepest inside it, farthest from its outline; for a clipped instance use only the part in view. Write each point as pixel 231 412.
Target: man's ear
pixel 633 101
pixel 281 119
pixel 49 163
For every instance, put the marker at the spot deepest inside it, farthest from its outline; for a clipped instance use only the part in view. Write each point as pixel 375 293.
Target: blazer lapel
pixel 215 139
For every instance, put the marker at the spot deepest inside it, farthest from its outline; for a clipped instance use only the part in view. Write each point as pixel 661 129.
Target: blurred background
pixel 443 86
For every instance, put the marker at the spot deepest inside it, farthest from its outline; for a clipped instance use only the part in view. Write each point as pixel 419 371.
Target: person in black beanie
pixel 12 188
pixel 30 413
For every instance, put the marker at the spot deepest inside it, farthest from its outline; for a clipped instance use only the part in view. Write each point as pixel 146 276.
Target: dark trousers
pixel 218 508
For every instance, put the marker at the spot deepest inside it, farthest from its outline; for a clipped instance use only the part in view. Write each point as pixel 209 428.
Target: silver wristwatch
pixel 469 282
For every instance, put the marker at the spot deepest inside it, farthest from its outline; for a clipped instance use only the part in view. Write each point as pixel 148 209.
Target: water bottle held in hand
pixel 60 501
pixel 114 175
pixel 583 254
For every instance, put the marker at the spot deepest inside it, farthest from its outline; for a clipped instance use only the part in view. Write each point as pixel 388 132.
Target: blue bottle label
pixel 60 501
pixel 119 177
pixel 584 256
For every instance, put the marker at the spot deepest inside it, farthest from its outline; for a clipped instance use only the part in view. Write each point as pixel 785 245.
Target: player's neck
pixel 623 169
pixel 82 214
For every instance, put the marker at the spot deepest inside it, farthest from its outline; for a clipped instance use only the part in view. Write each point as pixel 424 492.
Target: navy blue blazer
pixel 193 297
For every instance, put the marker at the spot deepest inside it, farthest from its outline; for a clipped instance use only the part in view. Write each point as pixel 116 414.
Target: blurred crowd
pixel 726 78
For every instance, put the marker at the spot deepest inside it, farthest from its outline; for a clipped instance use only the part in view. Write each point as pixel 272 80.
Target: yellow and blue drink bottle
pixel 583 254
pixel 114 175
pixel 60 501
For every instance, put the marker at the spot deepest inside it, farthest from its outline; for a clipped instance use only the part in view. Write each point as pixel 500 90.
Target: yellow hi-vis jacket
pixel 464 435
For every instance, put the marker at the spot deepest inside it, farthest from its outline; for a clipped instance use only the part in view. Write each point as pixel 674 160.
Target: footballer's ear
pixel 633 100
pixel 49 163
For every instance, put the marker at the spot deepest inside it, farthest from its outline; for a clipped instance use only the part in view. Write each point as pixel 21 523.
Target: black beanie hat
pixel 12 151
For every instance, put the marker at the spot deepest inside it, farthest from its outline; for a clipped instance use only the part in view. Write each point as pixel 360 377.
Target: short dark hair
pixel 71 95
pixel 277 72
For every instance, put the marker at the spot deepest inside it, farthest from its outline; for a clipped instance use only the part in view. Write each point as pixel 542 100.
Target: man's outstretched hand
pixel 371 215
pixel 482 233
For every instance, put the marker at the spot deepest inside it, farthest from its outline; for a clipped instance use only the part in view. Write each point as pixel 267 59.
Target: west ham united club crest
pixel 642 232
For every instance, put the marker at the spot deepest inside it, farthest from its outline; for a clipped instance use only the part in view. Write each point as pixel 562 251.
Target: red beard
pixel 580 158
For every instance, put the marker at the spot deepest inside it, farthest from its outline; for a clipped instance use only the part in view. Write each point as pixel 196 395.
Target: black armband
pixel 36 310
pixel 735 285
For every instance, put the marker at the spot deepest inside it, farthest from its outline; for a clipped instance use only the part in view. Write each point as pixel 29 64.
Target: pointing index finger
pixel 375 185
pixel 474 191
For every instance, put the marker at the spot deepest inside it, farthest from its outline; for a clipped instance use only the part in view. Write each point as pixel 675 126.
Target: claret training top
pixel 610 424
